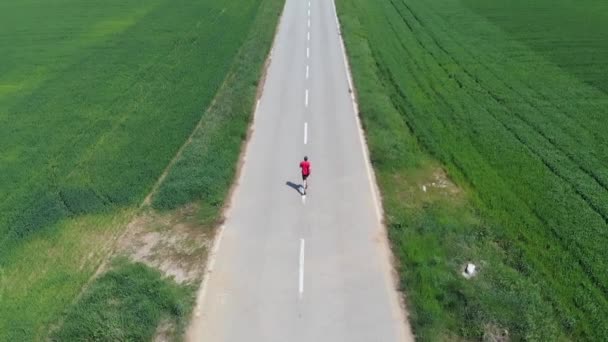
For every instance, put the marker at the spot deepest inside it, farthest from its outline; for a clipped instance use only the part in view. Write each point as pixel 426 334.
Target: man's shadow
pixel 296 187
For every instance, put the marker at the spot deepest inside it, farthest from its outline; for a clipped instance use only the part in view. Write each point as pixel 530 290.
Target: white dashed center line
pixel 301 273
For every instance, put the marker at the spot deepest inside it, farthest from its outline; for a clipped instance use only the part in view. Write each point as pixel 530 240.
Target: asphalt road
pixel 293 268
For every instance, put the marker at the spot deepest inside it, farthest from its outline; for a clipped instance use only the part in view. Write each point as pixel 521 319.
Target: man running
pixel 305 166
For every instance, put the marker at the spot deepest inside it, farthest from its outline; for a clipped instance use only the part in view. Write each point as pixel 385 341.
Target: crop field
pixel 509 99
pixel 139 296
pixel 95 101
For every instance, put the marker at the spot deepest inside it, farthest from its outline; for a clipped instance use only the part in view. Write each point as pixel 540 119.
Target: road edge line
pixel 364 149
pixel 405 330
pixel 211 258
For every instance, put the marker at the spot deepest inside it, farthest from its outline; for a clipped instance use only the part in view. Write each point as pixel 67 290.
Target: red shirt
pixel 305 166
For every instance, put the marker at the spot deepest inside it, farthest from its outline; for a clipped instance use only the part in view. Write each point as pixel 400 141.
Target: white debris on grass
pixel 469 271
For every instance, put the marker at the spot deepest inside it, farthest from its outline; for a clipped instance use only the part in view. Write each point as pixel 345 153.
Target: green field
pixel 126 304
pixel 95 101
pixel 509 98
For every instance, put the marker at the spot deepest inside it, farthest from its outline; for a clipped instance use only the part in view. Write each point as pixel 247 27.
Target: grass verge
pixel 127 303
pixel 206 168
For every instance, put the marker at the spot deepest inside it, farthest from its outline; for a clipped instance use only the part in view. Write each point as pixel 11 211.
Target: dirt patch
pixel 440 182
pixel 174 243
pixel 494 333
pixel 165 331
pixel 418 188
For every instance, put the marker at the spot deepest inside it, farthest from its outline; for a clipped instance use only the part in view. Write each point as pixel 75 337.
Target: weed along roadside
pixel 486 154
pixel 152 255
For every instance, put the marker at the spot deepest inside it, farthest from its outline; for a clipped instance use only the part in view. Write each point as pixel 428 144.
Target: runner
pixel 305 166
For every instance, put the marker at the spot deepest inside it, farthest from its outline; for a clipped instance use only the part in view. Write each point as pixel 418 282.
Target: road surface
pixel 302 268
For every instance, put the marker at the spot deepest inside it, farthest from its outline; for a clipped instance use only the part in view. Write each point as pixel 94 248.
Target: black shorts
pixel 305 176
